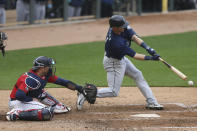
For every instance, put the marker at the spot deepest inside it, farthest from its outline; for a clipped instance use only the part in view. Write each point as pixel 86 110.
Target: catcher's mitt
pixel 90 91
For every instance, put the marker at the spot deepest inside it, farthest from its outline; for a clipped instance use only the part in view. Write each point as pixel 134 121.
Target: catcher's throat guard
pixel 90 92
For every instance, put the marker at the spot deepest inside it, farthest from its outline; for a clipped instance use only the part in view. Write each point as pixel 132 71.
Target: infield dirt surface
pixel 180 113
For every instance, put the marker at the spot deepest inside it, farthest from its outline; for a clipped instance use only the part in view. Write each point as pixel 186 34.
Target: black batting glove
pixel 151 51
pixel 155 57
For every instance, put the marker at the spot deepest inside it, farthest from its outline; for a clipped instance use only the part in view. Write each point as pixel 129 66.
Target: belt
pixel 113 57
pixel 13 99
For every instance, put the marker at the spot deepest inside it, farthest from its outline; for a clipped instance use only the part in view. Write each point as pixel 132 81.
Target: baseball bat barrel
pixel 175 70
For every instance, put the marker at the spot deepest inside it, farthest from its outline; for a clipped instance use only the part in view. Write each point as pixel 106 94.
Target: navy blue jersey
pixel 117 46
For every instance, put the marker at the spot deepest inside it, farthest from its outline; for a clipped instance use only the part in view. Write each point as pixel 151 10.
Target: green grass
pixel 83 62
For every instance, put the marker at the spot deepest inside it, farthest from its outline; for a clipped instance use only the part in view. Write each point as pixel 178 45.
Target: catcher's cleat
pixel 80 101
pixel 153 106
pixel 12 115
pixel 60 108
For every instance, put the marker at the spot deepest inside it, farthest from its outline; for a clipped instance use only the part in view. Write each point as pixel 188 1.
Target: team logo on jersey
pixel 32 83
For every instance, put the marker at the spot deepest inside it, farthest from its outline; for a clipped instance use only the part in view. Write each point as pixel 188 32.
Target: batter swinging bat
pixel 176 71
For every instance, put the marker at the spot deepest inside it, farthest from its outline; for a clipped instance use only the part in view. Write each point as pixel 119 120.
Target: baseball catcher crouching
pixel 30 101
pixel 89 92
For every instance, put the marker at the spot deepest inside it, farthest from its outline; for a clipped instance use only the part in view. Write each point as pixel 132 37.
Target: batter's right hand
pixel 151 51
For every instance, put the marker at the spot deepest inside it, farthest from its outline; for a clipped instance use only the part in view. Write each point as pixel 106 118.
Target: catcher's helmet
pixel 118 21
pixel 43 61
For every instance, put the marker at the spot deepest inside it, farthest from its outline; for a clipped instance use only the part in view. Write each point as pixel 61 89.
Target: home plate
pixel 145 115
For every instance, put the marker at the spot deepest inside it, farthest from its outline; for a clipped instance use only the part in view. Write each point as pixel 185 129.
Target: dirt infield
pixel 116 113
pixel 180 103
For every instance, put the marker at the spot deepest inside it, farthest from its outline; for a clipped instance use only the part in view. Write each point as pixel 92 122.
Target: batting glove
pixel 151 51
pixel 155 57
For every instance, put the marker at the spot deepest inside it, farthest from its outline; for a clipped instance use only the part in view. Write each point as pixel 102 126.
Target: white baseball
pixel 191 83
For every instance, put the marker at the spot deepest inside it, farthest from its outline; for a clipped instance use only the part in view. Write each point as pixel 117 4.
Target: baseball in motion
pixel 190 83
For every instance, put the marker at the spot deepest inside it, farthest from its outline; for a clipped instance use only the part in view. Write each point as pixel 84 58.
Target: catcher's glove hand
pixel 90 91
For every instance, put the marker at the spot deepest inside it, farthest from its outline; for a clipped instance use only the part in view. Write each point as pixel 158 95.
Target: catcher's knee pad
pixel 47 113
pixel 43 114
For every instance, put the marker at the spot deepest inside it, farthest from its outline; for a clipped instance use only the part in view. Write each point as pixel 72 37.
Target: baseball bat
pixel 176 71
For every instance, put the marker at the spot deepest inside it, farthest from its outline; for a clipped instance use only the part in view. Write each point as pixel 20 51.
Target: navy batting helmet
pixel 118 21
pixel 43 61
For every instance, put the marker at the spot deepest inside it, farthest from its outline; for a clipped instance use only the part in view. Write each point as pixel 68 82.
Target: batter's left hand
pixel 151 51
pixel 155 57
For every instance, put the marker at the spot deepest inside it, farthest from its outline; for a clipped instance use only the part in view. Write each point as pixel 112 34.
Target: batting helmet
pixel 43 61
pixel 118 21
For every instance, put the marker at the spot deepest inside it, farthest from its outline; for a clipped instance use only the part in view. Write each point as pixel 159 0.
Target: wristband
pixel 148 58
pixel 79 88
pixel 144 45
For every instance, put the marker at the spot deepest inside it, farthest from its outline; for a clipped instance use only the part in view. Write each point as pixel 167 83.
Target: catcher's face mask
pixel 52 67
pixel 43 61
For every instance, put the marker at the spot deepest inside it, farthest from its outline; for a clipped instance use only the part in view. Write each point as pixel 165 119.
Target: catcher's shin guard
pixel 48 99
pixel 44 114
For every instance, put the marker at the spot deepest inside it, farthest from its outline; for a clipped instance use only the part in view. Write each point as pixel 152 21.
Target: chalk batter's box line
pixel 178 104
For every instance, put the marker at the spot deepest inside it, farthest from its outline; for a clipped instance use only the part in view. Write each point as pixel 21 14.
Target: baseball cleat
pixel 12 115
pixel 153 106
pixel 61 108
pixel 80 101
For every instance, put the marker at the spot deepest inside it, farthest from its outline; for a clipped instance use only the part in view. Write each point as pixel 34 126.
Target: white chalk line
pixel 176 103
pixel 143 118
pixel 148 111
pixel 154 111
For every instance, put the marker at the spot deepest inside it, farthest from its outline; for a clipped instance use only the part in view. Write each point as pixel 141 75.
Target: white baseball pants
pixel 24 106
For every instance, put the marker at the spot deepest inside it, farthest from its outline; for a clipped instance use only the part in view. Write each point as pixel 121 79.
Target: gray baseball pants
pixel 116 70
pixel 2 15
pixel 22 10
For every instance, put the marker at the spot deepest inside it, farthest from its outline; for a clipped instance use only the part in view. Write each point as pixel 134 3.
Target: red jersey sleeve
pixel 52 79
